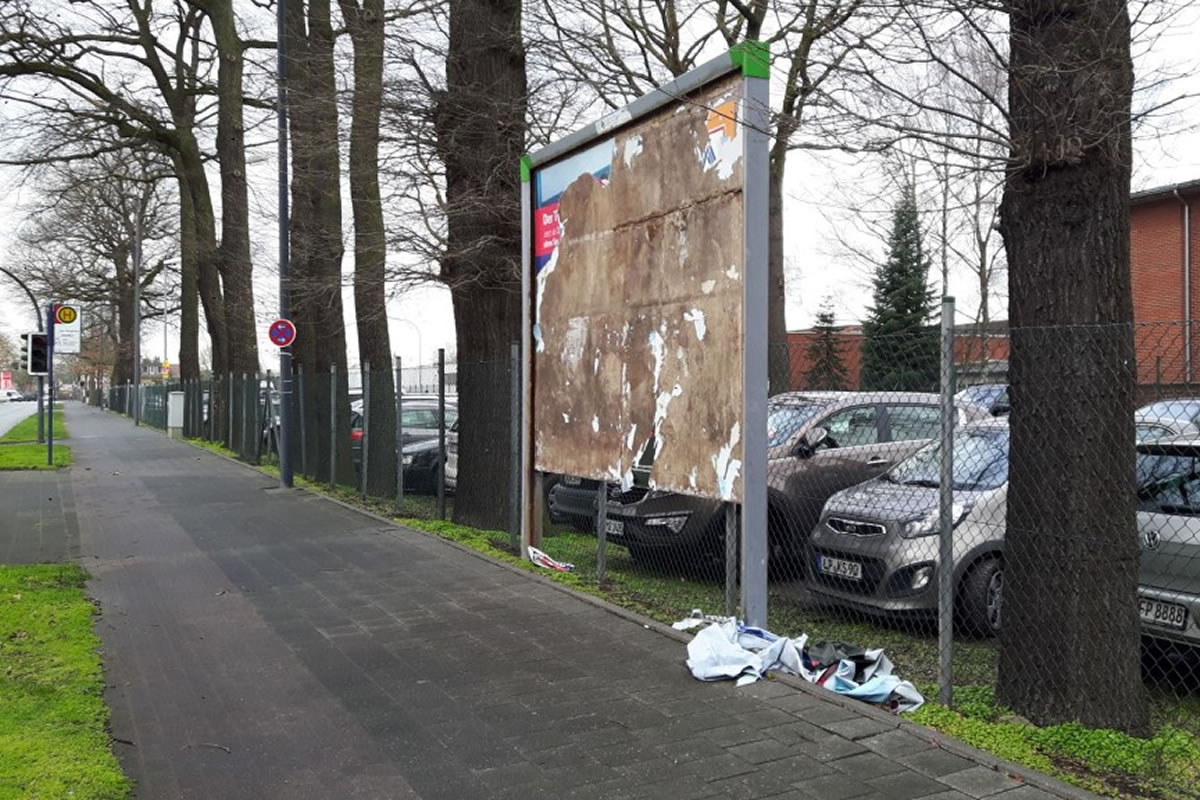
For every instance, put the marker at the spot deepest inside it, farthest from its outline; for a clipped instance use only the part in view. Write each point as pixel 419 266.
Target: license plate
pixel 614 527
pixel 1165 615
pixel 840 568
pixel 571 480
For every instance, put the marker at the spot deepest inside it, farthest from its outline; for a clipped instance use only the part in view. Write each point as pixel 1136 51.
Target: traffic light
pixel 37 359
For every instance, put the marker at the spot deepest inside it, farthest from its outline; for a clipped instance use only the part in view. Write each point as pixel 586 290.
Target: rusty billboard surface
pixel 637 317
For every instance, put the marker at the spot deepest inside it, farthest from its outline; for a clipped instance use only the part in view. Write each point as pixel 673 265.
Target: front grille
pixel 873 570
pixel 855 527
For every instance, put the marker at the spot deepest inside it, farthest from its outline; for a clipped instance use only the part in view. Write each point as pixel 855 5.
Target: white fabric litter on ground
pixel 726 650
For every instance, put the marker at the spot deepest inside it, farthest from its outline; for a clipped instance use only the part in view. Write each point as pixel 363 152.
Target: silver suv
pixel 876 545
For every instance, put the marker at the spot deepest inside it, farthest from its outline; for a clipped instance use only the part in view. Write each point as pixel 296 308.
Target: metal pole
pixel 284 443
pixel 302 407
pixel 754 376
pixel 441 476
pixel 245 428
pixel 333 426
pixel 136 258
pixel 945 510
pixel 601 531
pixel 229 412
pixel 364 461
pixel 50 382
pixel 399 438
pixel 731 559
pixel 41 410
pixel 514 472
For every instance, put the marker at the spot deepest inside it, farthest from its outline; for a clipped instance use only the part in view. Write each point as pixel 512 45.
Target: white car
pixel 10 396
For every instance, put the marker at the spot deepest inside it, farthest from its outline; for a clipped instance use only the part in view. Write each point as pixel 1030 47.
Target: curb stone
pixel 937 739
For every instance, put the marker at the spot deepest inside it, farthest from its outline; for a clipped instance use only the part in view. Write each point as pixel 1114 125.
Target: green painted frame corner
pixel 526 168
pixel 753 57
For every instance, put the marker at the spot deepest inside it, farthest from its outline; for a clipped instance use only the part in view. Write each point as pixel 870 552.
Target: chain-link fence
pixel 905 513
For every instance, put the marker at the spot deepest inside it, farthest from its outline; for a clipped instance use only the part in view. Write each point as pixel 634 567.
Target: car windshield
pixel 1148 432
pixel 784 419
pixel 991 397
pixel 980 462
pixel 1181 408
pixel 1169 483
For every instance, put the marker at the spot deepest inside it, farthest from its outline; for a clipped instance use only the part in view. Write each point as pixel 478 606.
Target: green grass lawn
pixel 32 456
pixel 53 721
pixel 26 430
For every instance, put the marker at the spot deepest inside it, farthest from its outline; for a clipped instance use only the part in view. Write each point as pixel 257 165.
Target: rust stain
pixel 641 317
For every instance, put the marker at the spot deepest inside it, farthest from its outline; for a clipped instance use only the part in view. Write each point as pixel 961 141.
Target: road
pixel 12 413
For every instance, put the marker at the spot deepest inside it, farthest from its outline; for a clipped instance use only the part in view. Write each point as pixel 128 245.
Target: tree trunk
pixel 779 362
pixel 480 126
pixel 316 235
pixel 193 181
pixel 370 239
pixel 1070 637
pixel 234 256
pixel 189 311
pixel 123 371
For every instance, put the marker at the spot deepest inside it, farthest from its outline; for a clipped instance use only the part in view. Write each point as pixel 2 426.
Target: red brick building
pixel 1164 239
pixel 1166 283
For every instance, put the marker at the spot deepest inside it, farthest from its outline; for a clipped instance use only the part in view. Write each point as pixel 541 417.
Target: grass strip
pixel 32 456
pixel 53 720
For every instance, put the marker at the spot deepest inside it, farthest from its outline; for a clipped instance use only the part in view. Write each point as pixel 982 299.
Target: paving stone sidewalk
pixel 269 644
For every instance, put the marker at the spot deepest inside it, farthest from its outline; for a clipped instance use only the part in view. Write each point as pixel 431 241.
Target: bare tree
pixel 80 242
pixel 365 24
pixel 1070 612
pixel 316 233
pixel 145 73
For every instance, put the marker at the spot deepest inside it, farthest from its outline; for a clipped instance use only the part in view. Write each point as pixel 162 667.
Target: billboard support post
pixel 756 118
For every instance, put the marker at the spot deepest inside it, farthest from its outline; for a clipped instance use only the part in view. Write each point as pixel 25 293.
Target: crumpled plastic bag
pixel 545 561
pixel 727 650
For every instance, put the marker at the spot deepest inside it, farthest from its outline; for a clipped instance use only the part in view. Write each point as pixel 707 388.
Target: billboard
pixel 646 279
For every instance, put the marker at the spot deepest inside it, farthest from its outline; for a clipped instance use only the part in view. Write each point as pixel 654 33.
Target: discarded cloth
pixel 543 560
pixel 726 649
pixel 697 619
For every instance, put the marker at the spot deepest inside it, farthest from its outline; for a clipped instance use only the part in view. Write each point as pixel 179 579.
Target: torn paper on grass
pixel 726 649
pixel 543 560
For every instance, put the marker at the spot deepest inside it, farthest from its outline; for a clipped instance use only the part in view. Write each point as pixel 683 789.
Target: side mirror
pixel 810 441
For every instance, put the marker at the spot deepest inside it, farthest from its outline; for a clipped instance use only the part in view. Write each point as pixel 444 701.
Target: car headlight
pixel 406 461
pixel 674 524
pixel 930 524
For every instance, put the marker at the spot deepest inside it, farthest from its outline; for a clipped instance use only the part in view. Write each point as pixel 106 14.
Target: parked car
pixel 421 463
pixel 1186 409
pixel 1151 429
pixel 876 545
pixel 991 398
pixel 418 421
pixel 818 443
pixel 1169 529
pixel 10 396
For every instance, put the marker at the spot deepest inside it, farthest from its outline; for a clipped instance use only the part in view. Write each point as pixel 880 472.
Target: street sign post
pixel 282 332
pixel 67 335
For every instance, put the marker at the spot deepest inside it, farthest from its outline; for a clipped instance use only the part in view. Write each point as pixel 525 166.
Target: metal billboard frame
pixel 752 60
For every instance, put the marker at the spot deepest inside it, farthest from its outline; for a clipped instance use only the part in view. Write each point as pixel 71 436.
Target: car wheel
pixel 981 598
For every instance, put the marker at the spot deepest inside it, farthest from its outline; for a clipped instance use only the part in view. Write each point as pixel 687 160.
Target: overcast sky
pixel 815 191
